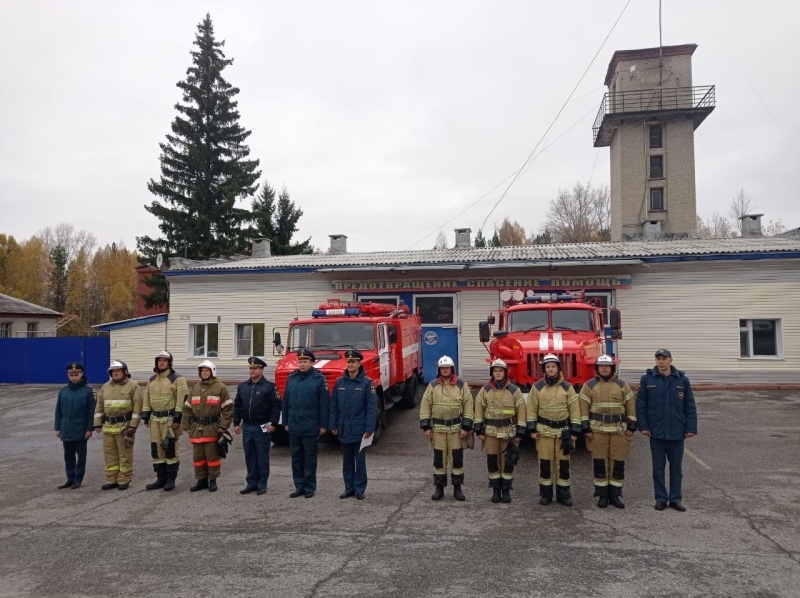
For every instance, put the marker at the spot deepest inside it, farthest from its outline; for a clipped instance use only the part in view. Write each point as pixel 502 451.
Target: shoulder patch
pixel 487 388
pixel 513 388
pixel 172 377
pixel 592 383
pixel 620 383
pixel 459 384
pixel 153 377
pixel 539 385
pixel 565 385
pixel 372 388
pixel 434 383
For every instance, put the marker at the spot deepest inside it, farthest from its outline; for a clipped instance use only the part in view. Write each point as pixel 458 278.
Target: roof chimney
pixel 463 240
pixel 338 244
pixel 260 248
pixel 751 225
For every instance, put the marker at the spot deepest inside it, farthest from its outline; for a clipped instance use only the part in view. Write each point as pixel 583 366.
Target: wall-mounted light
pixel 552 267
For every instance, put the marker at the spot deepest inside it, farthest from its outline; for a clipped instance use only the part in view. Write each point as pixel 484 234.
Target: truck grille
pixel 569 365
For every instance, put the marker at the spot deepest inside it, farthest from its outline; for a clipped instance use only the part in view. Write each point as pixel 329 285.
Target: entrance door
pixel 439 330
pixel 383 355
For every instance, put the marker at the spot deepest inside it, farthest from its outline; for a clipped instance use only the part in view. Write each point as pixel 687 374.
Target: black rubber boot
pixel 439 482
pixel 506 491
pixel 563 496
pixel 458 480
pixel 161 477
pixel 545 494
pixel 615 497
pixel 212 487
pixel 199 485
pixel 601 492
pixel 495 486
pixel 172 475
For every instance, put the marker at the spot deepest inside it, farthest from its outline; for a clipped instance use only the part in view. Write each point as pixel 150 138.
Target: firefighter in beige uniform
pixel 445 417
pixel 553 408
pixel 608 420
pixel 207 415
pixel 117 413
pixel 161 412
pixel 500 420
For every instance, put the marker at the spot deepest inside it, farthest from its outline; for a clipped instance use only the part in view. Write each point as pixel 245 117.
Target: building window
pixel 657 199
pixel 436 309
pixel 760 338
pixel 204 339
pixel 5 329
pixel 656 167
pixel 656 139
pixel 250 340
pixel 388 299
pixel 33 330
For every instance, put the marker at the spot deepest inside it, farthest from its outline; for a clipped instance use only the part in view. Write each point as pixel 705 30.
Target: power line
pixel 564 105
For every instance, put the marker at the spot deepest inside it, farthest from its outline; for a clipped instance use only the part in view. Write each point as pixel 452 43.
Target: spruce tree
pixel 480 240
pixel 278 222
pixel 204 168
pixel 495 240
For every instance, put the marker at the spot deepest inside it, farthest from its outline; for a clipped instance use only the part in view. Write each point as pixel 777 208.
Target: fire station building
pixel 726 308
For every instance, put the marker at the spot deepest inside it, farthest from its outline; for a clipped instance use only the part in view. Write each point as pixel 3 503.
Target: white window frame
pixel 10 329
pixel 31 333
pixel 749 329
pixel 456 307
pixel 236 338
pixel 205 354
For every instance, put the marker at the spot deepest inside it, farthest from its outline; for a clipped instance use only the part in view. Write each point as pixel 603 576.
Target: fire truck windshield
pixel 579 320
pixel 333 335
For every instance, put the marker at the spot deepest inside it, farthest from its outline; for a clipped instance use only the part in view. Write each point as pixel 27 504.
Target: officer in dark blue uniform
pixel 256 410
pixel 73 423
pixel 354 413
pixel 306 405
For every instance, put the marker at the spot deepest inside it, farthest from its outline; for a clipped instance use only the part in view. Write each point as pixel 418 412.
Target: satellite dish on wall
pixel 159 260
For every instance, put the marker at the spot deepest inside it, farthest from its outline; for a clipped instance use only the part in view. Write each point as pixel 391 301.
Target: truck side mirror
pixel 392 335
pixel 615 321
pixel 491 319
pixel 276 340
pixel 483 330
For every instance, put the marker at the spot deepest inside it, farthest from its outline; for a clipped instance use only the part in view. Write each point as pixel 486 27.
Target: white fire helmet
pixel 445 361
pixel 163 355
pixel 604 360
pixel 210 365
pixel 116 364
pixel 550 358
pixel 499 363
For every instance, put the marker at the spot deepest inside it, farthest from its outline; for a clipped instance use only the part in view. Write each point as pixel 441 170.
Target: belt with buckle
pixel 607 418
pixel 563 423
pixel 447 422
pixel 120 418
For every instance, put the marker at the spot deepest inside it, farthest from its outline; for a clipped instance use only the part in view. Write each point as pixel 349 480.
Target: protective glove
pixel 128 435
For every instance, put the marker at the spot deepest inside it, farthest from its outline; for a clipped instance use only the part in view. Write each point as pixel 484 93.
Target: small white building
pixel 21 319
pixel 726 308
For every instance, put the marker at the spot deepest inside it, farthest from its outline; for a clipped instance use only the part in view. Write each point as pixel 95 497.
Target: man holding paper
pixel 354 413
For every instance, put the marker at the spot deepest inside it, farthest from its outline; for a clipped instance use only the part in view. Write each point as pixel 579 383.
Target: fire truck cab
pixel 565 324
pixel 386 335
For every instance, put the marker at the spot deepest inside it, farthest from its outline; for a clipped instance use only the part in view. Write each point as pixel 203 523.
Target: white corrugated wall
pixel 475 306
pixel 137 347
pixel 693 309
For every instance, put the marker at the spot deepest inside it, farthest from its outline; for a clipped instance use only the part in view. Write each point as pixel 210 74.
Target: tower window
pixel 656 139
pixel 657 199
pixel 656 167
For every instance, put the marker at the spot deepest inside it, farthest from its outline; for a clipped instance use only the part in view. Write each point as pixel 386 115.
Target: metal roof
pixel 12 306
pixel 517 256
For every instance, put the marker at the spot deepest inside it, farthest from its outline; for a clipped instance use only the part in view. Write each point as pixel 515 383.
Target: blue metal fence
pixel 44 360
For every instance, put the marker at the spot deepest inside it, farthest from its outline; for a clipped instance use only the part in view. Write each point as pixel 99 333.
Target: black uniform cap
pixel 664 352
pixel 257 361
pixel 303 352
pixel 353 354
pixel 74 366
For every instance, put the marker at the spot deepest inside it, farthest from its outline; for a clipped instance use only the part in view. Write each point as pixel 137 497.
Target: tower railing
pixel 651 100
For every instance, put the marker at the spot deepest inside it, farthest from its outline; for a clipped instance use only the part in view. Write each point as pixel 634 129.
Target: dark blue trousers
pixel 304 451
pixel 354 467
pixel 256 455
pixel 662 451
pixel 75 459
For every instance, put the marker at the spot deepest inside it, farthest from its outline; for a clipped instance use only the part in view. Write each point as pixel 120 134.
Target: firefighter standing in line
pixel 500 419
pixel 162 410
pixel 207 415
pixel 553 408
pixel 119 406
pixel 445 417
pixel 608 421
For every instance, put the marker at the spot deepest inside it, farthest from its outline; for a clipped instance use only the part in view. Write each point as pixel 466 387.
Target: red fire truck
pixel 386 335
pixel 565 324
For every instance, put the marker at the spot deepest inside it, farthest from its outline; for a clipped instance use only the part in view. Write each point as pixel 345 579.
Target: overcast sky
pixel 383 119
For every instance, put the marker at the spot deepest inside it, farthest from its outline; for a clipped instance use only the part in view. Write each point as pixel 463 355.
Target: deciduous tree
pixel 580 215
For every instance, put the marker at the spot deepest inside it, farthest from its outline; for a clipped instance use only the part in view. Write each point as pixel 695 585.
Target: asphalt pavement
pixel 739 537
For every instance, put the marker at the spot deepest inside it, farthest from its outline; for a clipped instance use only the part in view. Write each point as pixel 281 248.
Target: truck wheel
pixel 410 391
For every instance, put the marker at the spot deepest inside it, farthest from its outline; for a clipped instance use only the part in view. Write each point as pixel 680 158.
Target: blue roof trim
pixel 132 323
pixel 714 258
pixel 195 272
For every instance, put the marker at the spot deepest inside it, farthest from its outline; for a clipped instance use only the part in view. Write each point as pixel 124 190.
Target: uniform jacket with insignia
pixel 164 396
pixel 665 405
pixel 500 411
pixel 607 406
pixel 118 400
pixel 306 403
pixel 75 410
pixel 257 403
pixel 208 408
pixel 556 403
pixel 354 407
pixel 446 406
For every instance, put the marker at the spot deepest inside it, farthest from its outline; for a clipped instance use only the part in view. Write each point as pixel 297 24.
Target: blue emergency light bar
pixel 550 297
pixel 344 311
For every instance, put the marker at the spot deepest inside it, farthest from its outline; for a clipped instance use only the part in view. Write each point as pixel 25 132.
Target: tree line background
pixel 206 177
